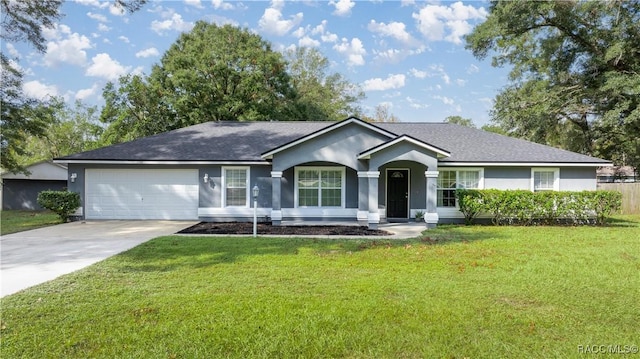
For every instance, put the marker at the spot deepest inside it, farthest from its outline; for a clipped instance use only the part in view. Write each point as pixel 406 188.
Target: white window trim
pixel 323 168
pixel 556 176
pixel 461 169
pixel 224 185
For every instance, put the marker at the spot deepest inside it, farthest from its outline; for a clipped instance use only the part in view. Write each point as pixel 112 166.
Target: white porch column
pixel 363 197
pixel 373 216
pixel 431 217
pixel 276 210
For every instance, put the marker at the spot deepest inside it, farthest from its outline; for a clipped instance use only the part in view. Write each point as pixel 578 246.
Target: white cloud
pixel 221 5
pixel 194 3
pixel 396 30
pixel 378 84
pixel 102 65
pixel 413 103
pixel 56 32
pixel 435 70
pixel 123 39
pixel 12 50
pixel 98 17
pixel 102 27
pixel 175 23
pixel 66 47
pixel 447 22
pixel 343 7
pixel 152 51
pixel 116 10
pixel 418 74
pixel 404 3
pixel 353 50
pixel 308 42
pixel 39 90
pixel 272 23
pixel 472 69
pixel 461 82
pixel 94 3
pixel 85 93
pixel 325 35
pixel 446 100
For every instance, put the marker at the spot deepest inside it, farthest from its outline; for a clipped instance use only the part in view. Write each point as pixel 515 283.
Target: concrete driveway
pixel 33 257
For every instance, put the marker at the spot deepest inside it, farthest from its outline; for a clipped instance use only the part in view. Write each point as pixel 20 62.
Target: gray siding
pixel 417 184
pixel 23 194
pixel 338 147
pixel 404 152
pixel 506 177
pixel 578 179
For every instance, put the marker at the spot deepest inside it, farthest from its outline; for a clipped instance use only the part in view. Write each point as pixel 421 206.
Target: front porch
pixel 354 170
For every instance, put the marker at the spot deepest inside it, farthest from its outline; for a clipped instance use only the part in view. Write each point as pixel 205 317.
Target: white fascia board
pixel 330 128
pixel 125 162
pixel 523 164
pixel 367 154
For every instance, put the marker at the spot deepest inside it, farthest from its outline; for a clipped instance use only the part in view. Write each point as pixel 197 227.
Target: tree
pixel 458 120
pixel 382 113
pixel 493 128
pixel 21 116
pixel 575 78
pixel 320 95
pixel 69 130
pixel 213 73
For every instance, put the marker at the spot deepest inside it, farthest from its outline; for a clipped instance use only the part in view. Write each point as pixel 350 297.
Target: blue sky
pixel 408 55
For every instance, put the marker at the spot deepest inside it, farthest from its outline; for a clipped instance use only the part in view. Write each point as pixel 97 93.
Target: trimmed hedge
pixel 527 208
pixel 62 203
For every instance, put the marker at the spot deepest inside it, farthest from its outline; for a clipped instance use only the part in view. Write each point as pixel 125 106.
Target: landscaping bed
pixel 268 229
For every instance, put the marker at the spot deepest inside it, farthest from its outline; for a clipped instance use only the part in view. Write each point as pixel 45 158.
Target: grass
pixel 458 292
pixel 12 221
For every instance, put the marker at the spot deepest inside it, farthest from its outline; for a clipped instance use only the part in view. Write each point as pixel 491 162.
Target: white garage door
pixel 141 194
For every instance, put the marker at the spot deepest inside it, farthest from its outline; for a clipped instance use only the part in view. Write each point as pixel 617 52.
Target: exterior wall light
pixel 205 179
pixel 73 177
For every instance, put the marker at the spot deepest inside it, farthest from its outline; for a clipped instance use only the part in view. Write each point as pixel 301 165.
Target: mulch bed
pixel 267 228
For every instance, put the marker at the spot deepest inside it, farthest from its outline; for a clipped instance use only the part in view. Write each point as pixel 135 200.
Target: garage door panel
pixel 141 194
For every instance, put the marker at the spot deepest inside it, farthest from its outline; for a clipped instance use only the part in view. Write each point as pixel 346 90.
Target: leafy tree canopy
pixel 21 117
pixel 225 73
pixel 575 78
pixel 459 120
pixel 320 95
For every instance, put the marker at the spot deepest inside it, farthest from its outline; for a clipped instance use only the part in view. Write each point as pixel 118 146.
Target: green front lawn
pixel 12 221
pixel 476 292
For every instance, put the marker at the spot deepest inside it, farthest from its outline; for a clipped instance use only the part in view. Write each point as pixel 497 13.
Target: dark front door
pixel 397 193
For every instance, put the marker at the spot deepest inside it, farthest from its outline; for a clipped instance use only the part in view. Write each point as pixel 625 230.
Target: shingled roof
pixel 246 141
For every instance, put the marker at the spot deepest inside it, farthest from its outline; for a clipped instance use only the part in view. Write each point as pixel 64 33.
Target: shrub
pixel 62 203
pixel 526 207
pixel 470 202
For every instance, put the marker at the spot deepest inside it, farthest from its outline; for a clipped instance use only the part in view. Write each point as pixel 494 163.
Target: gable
pixel 340 144
pixel 329 129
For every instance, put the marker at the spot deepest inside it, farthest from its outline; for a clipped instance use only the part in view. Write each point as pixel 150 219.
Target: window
pixel 236 187
pixel 449 181
pixel 320 186
pixel 545 179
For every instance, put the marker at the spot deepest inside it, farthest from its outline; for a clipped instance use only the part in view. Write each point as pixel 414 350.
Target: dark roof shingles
pixel 246 141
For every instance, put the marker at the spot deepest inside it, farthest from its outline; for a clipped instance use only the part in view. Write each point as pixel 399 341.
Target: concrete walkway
pixel 33 257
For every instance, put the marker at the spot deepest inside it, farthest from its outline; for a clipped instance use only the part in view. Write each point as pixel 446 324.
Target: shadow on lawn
pixel 174 252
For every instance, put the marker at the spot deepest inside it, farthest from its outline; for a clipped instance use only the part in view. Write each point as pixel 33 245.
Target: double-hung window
pixel 545 179
pixel 320 186
pixel 450 180
pixel 236 186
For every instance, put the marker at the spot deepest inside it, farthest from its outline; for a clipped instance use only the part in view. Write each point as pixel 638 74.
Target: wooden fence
pixel 630 195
